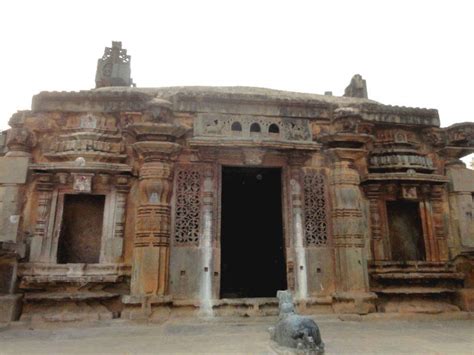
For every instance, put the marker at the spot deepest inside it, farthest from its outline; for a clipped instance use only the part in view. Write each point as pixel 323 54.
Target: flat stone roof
pixel 233 92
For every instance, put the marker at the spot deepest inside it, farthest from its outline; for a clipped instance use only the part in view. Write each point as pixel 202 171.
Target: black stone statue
pixel 294 331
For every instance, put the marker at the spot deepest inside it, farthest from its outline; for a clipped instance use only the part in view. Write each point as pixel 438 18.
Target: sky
pixel 412 53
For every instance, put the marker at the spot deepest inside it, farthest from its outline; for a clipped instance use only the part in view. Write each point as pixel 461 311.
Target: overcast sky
pixel 412 53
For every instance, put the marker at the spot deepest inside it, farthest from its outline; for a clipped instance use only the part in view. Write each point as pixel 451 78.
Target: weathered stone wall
pixel 156 157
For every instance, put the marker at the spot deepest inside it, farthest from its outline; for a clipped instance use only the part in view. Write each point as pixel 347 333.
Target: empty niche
pixel 274 129
pixel 406 235
pixel 81 229
pixel 236 128
pixel 255 128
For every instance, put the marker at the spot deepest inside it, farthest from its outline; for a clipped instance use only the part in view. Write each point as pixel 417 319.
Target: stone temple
pixel 138 203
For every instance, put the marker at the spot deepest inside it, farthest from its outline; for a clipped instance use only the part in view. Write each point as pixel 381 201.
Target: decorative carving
pixel 44 186
pixel 82 182
pixel 188 205
pixel 253 156
pixel 20 139
pixel 460 134
pixel 113 69
pixel 316 226
pixel 409 192
pixel 239 127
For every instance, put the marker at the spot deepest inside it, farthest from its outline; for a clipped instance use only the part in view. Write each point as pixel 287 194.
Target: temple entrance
pixel 406 234
pixel 252 248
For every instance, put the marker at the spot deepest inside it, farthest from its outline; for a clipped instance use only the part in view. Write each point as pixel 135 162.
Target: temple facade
pixel 128 202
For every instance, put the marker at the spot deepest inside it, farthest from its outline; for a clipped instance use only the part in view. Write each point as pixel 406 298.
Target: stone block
pixel 13 170
pixel 35 248
pixel 354 302
pixel 320 271
pixel 10 307
pixel 115 248
pixel 9 213
pixel 7 276
pixel 462 180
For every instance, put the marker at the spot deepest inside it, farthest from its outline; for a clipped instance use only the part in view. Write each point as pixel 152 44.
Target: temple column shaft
pixel 152 230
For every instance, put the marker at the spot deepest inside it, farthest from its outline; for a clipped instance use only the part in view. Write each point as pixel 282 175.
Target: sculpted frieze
pixel 240 127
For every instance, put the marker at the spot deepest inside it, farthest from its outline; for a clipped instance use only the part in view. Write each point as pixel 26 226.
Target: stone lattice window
pixel 188 205
pixel 315 226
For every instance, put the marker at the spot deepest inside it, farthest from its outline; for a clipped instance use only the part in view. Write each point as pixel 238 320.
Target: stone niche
pixel 81 230
pixel 81 219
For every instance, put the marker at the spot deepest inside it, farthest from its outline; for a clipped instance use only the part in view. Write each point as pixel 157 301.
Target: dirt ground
pixel 239 335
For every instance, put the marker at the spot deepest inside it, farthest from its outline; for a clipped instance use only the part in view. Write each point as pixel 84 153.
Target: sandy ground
pixel 238 335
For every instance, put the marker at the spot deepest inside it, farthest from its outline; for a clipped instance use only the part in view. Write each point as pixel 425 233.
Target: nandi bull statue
pixel 301 334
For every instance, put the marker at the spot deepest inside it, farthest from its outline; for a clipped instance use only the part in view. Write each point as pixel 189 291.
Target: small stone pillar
pixel 298 271
pixel 298 237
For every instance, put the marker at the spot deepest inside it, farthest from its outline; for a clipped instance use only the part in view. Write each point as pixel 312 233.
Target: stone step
pixel 418 276
pixel 69 296
pixel 413 290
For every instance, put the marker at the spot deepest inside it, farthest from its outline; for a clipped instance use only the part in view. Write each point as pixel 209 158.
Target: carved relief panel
pixel 315 207
pixel 276 128
pixel 187 213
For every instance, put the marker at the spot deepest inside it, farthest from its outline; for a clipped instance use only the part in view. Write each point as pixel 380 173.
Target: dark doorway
pixel 81 229
pixel 406 234
pixel 252 248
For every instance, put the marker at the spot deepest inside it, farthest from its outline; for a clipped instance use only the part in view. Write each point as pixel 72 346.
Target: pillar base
pixel 354 302
pixel 10 307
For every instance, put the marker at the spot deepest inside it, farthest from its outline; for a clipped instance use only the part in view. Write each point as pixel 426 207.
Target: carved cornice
pixel 237 143
pixel 415 177
pixel 346 154
pixel 399 115
pixel 148 131
pixel 150 150
pixel 95 167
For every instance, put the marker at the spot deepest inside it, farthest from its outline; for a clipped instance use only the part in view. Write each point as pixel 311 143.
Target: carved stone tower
pixel 113 69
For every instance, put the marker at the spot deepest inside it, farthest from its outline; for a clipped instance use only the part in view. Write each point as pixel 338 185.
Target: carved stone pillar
pixel 152 230
pixel 352 286
pixel 150 266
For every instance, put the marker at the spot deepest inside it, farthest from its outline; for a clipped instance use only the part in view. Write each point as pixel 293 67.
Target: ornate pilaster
pixel 349 224
pixel 114 248
pixel 374 193
pixel 44 190
pixel 150 267
pixel 437 212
